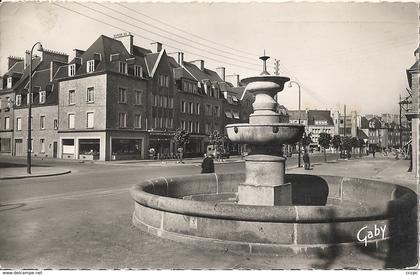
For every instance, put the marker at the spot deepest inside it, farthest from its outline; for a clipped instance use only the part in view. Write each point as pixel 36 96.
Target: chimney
pixel 199 63
pixel 158 46
pixel 50 55
pixel 221 72
pixel 27 58
pixel 181 58
pixel 12 60
pixel 78 53
pixel 234 79
pixel 126 39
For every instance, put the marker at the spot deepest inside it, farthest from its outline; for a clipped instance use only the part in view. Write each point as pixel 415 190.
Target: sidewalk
pixel 20 172
pixel 379 168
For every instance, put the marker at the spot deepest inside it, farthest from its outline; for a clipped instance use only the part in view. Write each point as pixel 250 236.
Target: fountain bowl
pixel 267 84
pixel 273 133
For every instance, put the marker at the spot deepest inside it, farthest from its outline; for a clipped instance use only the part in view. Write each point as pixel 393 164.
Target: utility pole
pixel 345 119
pixel 276 66
pixel 400 123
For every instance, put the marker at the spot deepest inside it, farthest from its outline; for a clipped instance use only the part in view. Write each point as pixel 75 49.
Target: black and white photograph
pixel 213 135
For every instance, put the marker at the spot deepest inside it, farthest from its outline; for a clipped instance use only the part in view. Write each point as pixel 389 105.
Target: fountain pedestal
pixel 264 184
pixel 265 166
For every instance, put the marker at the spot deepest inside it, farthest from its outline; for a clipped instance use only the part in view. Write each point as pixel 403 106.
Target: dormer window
pixel 18 100
pixel 72 69
pixel 27 98
pixel 9 82
pixel 90 66
pixel 138 71
pixel 122 67
pixel 42 97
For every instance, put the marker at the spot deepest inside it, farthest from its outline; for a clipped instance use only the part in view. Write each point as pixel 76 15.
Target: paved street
pixel 83 220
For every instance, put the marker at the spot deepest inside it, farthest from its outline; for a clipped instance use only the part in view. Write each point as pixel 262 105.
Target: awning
pixel 228 114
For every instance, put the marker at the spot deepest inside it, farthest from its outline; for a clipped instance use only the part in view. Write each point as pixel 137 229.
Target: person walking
pixel 306 160
pixel 207 166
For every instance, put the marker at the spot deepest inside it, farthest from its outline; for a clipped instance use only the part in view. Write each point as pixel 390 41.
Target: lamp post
pixel 29 144
pixel 290 85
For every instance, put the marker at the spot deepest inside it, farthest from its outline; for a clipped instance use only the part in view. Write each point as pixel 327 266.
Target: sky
pixel 340 53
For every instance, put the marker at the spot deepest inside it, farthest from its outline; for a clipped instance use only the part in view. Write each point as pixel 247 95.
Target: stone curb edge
pixel 35 176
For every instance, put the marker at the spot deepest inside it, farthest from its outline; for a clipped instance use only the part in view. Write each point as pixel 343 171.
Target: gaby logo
pixel 363 235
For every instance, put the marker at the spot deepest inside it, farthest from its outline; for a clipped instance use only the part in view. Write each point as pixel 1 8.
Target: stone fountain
pixel 265 166
pixel 265 210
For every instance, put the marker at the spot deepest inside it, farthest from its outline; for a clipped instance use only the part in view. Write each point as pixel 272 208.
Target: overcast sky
pixel 340 53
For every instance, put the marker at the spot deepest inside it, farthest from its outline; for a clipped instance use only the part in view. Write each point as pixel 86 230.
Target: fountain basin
pixel 276 133
pixel 327 211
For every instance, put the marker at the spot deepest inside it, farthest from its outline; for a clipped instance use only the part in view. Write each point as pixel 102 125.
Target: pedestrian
pixel 181 155
pixel 373 152
pixel 306 160
pixel 207 166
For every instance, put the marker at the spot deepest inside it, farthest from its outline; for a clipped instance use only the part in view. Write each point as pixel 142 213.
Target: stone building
pixel 103 94
pixel 319 121
pixel 413 76
pixel 44 104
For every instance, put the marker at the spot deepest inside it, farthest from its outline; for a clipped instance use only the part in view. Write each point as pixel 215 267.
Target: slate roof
pixel 323 115
pixel 202 75
pixel 294 115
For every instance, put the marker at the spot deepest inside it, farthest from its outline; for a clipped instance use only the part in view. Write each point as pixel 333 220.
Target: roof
pixel 201 75
pixel 361 134
pixel 320 115
pixel 364 123
pixel 17 68
pixel 294 114
pixel 151 60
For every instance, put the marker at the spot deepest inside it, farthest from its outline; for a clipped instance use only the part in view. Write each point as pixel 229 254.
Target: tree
pixel 361 146
pixel 354 143
pixel 346 146
pixel 324 140
pixel 181 137
pixel 217 140
pixel 336 142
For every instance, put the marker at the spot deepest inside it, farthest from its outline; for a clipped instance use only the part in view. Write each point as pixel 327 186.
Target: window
pixel 208 110
pixel 165 102
pixel 122 67
pixel 71 121
pixel 42 122
pixel 55 124
pixel 122 95
pixel 122 120
pixel 160 101
pixel 72 97
pixel 183 106
pixel 207 128
pixel 171 102
pixel 42 97
pixel 18 124
pixel 137 121
pixel 9 82
pixel 72 69
pixel 216 111
pixel 197 108
pixel 6 123
pixel 138 71
pixel 90 95
pixel 190 126
pixel 89 120
pixel 197 127
pixel 42 145
pixel 138 97
pixel 18 100
pixel 90 66
pixel 191 107
pixel 32 98
pixel 183 125
pixel 163 80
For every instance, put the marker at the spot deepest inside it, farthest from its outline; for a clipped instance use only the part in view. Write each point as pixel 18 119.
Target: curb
pixel 35 176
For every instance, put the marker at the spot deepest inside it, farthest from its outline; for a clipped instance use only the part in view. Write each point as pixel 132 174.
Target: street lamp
pixel 290 86
pixel 29 144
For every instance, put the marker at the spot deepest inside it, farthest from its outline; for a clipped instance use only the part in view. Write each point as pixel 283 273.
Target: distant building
pixel 319 121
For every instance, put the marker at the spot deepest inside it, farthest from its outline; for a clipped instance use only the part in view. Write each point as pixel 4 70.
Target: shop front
pixel 126 148
pixel 161 145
